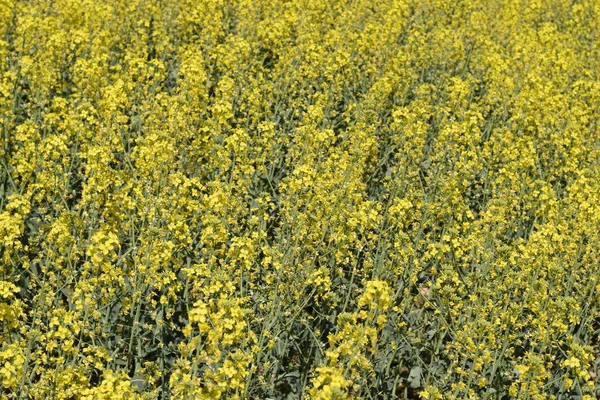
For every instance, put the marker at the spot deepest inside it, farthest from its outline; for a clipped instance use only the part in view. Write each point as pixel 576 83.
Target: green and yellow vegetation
pixel 287 199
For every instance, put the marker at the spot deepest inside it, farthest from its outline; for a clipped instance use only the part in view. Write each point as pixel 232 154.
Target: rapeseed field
pixel 299 199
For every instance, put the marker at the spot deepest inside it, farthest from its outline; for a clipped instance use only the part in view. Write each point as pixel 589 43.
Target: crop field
pixel 299 199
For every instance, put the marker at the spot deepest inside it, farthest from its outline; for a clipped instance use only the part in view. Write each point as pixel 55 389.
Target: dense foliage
pixel 284 199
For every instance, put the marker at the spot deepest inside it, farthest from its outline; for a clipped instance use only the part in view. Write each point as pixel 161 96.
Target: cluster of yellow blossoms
pixel 286 199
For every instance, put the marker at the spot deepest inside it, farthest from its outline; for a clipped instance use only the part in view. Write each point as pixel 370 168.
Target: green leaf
pixel 414 377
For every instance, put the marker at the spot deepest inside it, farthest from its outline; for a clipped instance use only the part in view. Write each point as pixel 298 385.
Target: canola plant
pixel 299 199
